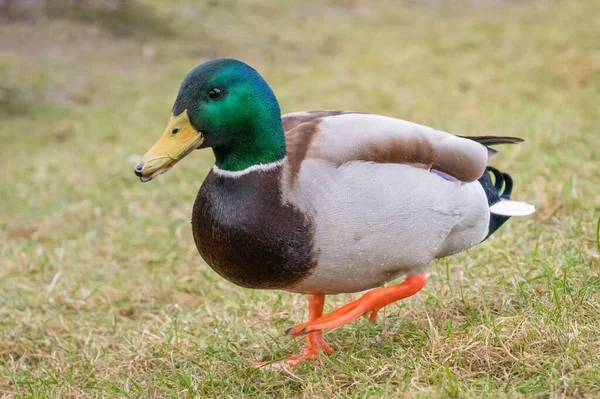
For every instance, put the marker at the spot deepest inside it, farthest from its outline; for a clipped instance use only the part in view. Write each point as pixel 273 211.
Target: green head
pixel 226 105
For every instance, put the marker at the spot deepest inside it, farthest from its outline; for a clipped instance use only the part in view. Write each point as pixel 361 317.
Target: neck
pixel 263 143
pixel 266 167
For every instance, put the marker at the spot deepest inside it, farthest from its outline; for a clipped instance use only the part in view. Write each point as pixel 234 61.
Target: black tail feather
pixel 493 140
pixel 498 179
pixel 500 189
pixel 508 186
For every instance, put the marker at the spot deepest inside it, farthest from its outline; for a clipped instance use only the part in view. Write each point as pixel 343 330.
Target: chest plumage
pixel 247 234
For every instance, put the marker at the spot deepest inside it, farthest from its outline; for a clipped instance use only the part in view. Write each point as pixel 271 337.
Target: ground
pixel 102 291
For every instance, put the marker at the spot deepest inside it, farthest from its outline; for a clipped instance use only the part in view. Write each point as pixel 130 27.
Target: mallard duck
pixel 326 202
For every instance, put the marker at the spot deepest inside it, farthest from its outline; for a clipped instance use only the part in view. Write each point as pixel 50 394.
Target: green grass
pixel 103 294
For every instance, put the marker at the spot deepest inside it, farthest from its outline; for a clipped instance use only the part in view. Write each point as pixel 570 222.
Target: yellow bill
pixel 178 140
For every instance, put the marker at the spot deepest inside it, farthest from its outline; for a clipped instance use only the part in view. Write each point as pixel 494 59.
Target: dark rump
pixel 495 191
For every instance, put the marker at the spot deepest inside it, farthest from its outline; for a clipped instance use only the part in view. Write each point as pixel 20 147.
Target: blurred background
pixel 101 287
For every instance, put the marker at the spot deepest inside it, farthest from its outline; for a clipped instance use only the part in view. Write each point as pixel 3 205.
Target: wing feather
pixel 342 136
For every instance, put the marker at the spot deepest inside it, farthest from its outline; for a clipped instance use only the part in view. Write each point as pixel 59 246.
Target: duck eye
pixel 175 130
pixel 215 93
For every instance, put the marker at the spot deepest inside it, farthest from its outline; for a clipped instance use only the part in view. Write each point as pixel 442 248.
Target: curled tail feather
pixel 498 195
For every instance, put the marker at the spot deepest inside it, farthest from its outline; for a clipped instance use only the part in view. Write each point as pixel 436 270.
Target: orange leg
pixel 315 344
pixel 371 302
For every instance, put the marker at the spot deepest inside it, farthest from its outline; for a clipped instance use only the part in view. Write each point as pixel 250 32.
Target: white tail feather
pixel 512 208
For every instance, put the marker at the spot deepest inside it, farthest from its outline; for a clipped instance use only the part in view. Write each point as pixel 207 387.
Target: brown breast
pixel 246 233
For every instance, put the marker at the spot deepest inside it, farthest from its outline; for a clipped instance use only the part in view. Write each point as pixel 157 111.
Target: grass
pixel 103 294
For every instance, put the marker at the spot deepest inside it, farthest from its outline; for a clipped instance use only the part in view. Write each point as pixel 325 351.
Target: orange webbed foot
pixel 316 346
pixel 370 304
